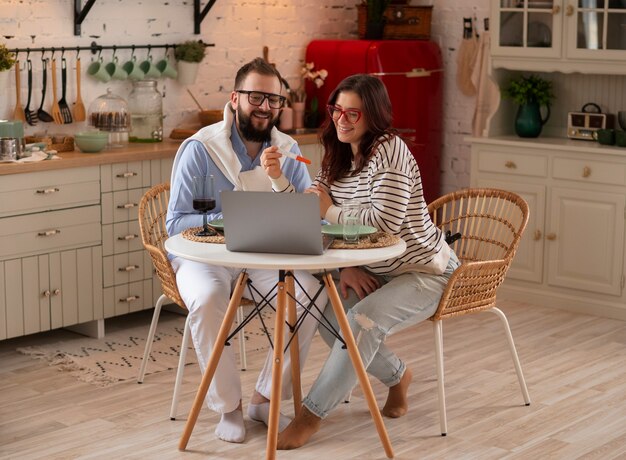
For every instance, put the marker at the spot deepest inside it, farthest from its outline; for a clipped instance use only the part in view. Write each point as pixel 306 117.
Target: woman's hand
pixel 270 161
pixel 357 279
pixel 325 199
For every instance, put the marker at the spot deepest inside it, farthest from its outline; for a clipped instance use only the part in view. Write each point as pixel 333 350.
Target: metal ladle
pixel 41 113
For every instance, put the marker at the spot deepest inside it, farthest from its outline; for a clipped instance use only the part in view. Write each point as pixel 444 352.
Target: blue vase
pixel 528 122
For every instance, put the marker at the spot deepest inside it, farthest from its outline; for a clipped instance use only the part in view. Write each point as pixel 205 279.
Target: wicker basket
pixel 58 143
pixel 401 22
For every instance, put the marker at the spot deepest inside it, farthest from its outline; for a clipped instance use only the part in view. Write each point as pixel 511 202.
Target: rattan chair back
pixel 491 223
pixel 152 213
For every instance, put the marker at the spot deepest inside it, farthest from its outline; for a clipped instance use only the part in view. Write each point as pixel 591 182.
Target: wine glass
pixel 204 200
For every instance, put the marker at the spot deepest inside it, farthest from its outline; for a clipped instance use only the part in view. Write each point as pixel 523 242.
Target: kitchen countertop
pixel 132 152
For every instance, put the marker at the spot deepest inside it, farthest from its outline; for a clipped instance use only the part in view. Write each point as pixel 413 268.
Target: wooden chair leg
pixel 438 329
pixel 518 367
pixel 150 339
pixel 182 359
pixel 294 346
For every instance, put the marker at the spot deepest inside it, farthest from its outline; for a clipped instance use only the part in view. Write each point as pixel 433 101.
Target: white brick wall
pixel 239 29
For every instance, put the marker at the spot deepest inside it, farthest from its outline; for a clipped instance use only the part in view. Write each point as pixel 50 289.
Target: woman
pixel 364 159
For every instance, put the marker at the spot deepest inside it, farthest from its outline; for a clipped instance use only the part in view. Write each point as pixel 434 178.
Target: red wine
pixel 203 204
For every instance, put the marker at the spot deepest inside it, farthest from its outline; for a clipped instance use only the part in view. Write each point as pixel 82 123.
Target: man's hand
pixel 270 161
pixel 358 280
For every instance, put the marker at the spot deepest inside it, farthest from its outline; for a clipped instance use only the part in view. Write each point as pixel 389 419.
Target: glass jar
pixel 146 112
pixel 110 113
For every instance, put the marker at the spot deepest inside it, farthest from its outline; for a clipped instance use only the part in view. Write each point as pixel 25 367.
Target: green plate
pixel 337 230
pixel 217 223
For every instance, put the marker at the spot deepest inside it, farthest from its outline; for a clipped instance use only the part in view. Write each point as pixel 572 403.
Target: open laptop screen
pixel 283 223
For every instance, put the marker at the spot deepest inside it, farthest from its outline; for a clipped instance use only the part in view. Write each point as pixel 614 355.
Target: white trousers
pixel 206 289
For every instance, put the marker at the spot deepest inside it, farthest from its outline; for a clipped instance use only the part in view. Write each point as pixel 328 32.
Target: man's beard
pixel 249 132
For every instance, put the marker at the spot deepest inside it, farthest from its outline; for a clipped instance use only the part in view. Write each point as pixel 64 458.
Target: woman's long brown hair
pixel 376 112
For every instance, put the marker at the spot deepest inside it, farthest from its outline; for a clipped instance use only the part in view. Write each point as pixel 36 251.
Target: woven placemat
pixel 375 240
pixel 190 234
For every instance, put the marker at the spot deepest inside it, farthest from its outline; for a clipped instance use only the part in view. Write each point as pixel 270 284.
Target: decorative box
pixel 401 22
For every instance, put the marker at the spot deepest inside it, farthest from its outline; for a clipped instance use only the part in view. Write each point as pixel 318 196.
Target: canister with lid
pixel 146 112
pixel 110 113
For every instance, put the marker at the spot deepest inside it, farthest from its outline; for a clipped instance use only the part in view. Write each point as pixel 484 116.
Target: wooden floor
pixel 575 368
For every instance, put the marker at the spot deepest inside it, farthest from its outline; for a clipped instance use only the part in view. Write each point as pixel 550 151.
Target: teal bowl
pixel 91 141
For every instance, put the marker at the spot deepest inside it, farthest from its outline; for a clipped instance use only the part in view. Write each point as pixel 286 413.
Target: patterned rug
pixel 117 356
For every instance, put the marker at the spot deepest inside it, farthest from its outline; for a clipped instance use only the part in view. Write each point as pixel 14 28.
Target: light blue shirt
pixel 195 161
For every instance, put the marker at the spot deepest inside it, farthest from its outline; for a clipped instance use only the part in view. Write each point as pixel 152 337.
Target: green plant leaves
pixel 527 89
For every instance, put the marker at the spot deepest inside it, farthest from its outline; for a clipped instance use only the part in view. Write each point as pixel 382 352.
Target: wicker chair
pixel 490 223
pixel 152 211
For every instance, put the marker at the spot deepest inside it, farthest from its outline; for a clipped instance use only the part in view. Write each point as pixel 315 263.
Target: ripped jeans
pixel 401 301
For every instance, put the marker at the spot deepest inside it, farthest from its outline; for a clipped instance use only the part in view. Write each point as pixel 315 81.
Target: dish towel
pixel 35 156
pixel 488 92
pixel 466 59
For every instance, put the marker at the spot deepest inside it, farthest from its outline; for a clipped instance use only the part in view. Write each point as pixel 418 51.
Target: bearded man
pixel 241 153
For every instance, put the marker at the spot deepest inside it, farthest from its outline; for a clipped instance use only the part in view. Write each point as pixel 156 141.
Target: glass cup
pixel 351 219
pixel 204 201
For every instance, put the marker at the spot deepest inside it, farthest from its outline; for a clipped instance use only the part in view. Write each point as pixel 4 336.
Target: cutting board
pixel 182 133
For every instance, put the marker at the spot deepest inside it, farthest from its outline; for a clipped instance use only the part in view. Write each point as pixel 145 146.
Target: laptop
pixel 283 223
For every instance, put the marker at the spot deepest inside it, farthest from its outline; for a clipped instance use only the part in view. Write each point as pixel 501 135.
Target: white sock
pixel 261 413
pixel 231 427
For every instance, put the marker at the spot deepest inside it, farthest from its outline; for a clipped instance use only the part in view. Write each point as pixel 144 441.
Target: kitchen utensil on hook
pixel 18 112
pixel 65 109
pixel 195 100
pixel 56 110
pixel 41 113
pixel 31 115
pixel 79 107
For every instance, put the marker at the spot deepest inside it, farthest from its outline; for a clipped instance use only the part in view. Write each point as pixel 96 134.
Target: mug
pixel 133 70
pixel 620 138
pixel 98 71
pixel 605 136
pixel 351 219
pixel 149 69
pixel 166 68
pixel 115 70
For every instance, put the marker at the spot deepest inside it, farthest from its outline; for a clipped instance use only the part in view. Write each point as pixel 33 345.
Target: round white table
pixel 217 254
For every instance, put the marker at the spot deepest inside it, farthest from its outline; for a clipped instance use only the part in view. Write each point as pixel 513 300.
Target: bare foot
pixel 258 398
pixel 397 403
pixel 301 428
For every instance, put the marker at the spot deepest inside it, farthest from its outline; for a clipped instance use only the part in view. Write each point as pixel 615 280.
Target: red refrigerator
pixel 412 71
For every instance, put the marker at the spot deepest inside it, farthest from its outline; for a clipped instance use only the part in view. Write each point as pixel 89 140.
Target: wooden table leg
pixel 294 347
pixel 216 354
pixel 355 357
pixel 277 367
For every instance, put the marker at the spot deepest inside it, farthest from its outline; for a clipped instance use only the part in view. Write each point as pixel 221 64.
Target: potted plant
pixel 375 24
pixel 7 59
pixel 189 55
pixel 531 93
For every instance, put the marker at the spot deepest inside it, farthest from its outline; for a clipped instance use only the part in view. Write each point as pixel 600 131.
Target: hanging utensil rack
pixel 94 48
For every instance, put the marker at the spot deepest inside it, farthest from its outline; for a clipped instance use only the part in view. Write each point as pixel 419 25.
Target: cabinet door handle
pixel 129 268
pixel 586 171
pixel 537 235
pixel 551 236
pixel 126 206
pixel 569 10
pixel 56 291
pixel 510 164
pixel 47 191
pixel 49 232
pixel 556 9
pixel 127 237
pixel 126 175
pixel 129 299
pixel 46 293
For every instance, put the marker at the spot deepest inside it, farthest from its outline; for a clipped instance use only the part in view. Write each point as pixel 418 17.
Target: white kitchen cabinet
pixel 555 35
pixel 572 254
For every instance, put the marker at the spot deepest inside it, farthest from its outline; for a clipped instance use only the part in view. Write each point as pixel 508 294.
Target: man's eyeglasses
pixel 351 115
pixel 257 98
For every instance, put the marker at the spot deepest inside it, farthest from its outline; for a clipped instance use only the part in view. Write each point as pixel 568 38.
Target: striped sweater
pixel 390 186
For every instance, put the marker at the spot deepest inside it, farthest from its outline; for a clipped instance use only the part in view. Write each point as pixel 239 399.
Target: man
pixel 241 153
